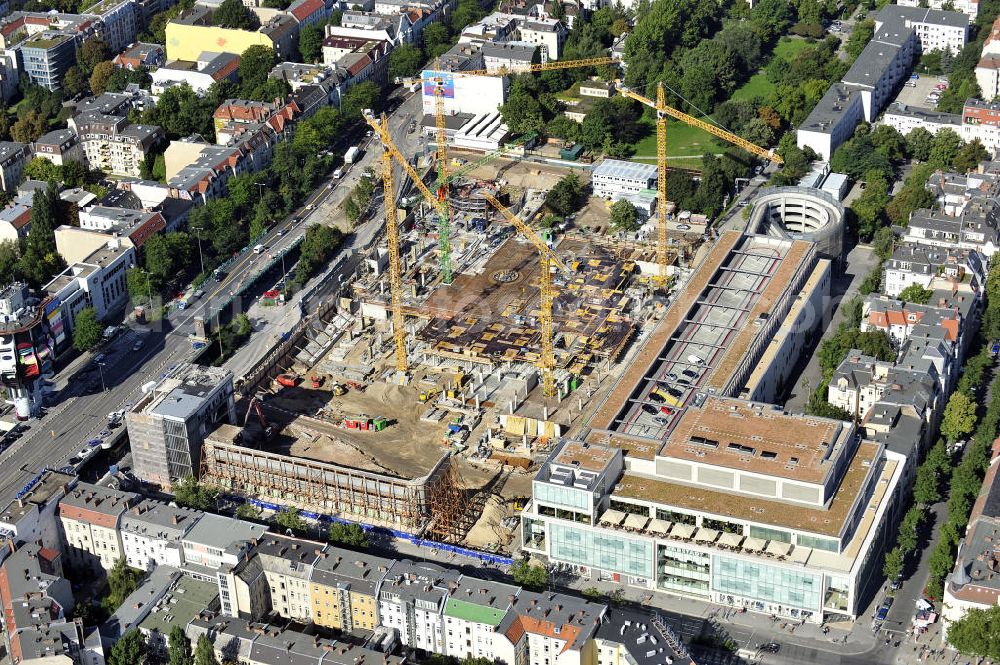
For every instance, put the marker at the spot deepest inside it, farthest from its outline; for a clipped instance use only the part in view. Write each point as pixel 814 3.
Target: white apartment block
pixel 549 34
pixel 472 613
pixel 968 7
pixel 114 145
pixel 152 532
pixel 904 119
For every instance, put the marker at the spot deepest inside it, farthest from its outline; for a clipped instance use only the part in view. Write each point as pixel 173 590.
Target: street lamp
pixel 100 369
pixel 197 234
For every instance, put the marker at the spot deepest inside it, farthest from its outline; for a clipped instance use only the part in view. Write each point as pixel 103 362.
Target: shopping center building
pixel 685 481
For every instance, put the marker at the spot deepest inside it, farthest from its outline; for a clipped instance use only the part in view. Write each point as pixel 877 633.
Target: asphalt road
pixel 87 393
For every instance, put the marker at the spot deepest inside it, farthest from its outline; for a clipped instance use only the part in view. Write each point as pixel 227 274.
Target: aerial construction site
pixel 423 397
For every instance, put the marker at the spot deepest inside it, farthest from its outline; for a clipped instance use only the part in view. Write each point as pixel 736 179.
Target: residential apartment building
pixel 261 644
pixel 411 597
pixel 114 145
pixel 975 580
pixel 288 565
pixel 192 30
pixel 932 267
pixel 904 119
pixel 865 90
pixel 168 425
pixel 968 7
pixel 15 222
pixel 58 146
pixel 216 541
pixel 473 613
pixel 35 598
pixel 208 68
pixel 139 55
pixel 858 383
pixel 13 157
pixel 988 76
pixel 975 228
pixel 90 525
pixel 152 532
pixel 97 281
pixel 343 589
pixel 119 22
pixel 31 518
pixel 548 34
pixel 554 628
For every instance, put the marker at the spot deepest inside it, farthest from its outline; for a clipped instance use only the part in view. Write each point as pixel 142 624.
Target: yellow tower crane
pixel 546 361
pixel 662 112
pixel 546 294
pixel 444 212
pixel 395 263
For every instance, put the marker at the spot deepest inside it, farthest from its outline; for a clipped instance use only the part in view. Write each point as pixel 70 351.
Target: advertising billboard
pixel 448 83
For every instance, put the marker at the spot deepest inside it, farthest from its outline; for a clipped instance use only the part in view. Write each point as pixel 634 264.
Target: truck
pixel 287 380
pixel 352 155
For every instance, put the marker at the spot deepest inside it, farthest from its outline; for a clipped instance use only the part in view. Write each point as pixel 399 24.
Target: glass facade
pixel 768 584
pixel 818 543
pixel 566 497
pixel 604 550
pixel 770 534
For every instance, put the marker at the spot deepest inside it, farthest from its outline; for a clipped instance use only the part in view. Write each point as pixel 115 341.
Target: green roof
pixel 461 609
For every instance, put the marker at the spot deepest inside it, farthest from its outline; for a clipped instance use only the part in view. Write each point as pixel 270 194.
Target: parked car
pixel 650 409
pixel 656 397
pixel 882 612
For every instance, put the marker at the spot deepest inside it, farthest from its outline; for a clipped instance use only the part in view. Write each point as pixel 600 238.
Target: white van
pixel 338 174
pixel 695 360
pixel 258 249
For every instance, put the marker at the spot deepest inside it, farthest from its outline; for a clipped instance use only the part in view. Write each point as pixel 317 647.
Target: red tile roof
pixel 307 9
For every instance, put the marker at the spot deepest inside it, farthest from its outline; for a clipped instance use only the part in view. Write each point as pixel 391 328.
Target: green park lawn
pixel 685 145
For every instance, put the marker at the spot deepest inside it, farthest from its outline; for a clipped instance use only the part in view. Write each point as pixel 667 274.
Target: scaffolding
pixel 454 510
pixel 331 489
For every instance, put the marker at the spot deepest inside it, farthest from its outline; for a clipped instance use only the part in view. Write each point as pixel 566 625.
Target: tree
pixel 870 205
pixel 73 173
pixel 624 216
pixel 91 52
pixel 86 330
pixel 234 14
pixel 288 518
pixel 42 169
pixel 101 76
pixel 247 511
pixel 179 649
pixel 946 147
pixel 204 652
pixel 926 489
pixel 919 143
pixel 256 63
pixel 860 36
pixel 567 196
pixel 436 40
pixel 74 81
pixel 29 127
pixel 892 565
pixel 916 294
pixel 311 43
pixel 405 60
pixel 969 157
pixel 130 649
pixel 977 633
pixel 959 417
pixel 188 492
pixel 122 581
pixel 351 535
pixel 889 142
pixel 363 96
pixel 10 254
pixel 532 577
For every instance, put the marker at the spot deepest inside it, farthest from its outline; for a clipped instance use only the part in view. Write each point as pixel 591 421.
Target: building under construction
pixel 434 504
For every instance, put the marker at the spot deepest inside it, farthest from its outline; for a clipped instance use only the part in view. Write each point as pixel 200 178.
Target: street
pixel 79 404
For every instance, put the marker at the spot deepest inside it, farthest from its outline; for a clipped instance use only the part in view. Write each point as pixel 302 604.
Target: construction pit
pixel 447 450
